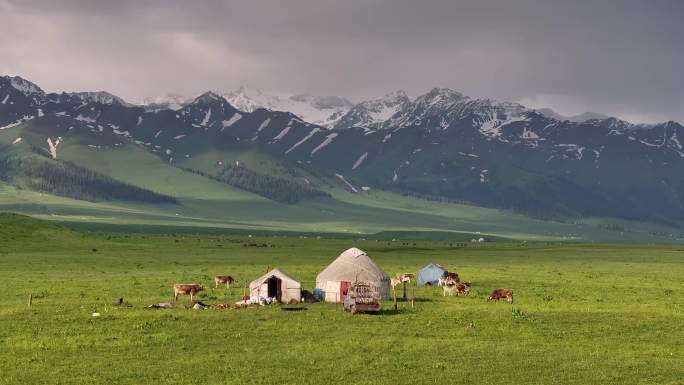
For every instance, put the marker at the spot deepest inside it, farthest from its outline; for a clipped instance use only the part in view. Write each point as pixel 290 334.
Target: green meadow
pixel 583 313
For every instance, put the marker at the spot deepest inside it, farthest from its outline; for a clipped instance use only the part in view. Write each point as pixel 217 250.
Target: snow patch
pixel 282 133
pixel 207 116
pixel 233 119
pixel 158 133
pixel 312 133
pixel 124 133
pixel 85 119
pixel 40 112
pixel 351 187
pixel 4 101
pixel 360 160
pixel 140 120
pixel 264 124
pixel 326 142
pixel 16 141
pixel 492 127
pixel 11 125
pixel 53 146
pixel 179 137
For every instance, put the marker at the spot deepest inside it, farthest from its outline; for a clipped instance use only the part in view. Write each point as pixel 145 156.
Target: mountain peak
pixel 439 93
pixel 101 97
pixel 24 86
pixel 209 97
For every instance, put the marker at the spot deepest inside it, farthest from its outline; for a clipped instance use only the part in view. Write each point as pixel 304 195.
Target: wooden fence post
pixel 413 296
pixel 394 294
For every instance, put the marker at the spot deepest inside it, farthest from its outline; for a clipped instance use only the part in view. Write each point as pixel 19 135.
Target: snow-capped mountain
pixel 324 111
pixel 371 114
pixel 24 86
pixel 441 144
pixel 101 97
pixel 169 101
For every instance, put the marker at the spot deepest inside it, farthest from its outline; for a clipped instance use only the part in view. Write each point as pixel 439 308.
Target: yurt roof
pixel 352 265
pixel 275 272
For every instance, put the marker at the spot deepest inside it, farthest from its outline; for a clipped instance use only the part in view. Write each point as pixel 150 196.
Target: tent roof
pixel 432 266
pixel 352 265
pixel 275 272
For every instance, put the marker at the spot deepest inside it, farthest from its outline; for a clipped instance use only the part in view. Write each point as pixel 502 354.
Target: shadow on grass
pixel 285 308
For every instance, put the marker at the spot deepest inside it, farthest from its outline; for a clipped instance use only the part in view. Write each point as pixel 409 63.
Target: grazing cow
pixel 456 289
pixel 405 277
pixel 498 294
pixel 186 289
pixel 448 279
pixel 224 279
pixel 452 277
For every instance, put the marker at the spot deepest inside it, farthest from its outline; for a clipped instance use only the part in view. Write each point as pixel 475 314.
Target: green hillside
pixel 204 202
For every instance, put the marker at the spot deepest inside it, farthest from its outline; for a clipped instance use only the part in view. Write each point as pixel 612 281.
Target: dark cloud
pixel 621 57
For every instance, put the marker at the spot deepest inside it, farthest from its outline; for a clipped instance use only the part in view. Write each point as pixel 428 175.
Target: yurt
pixel 351 266
pixel 430 274
pixel 276 284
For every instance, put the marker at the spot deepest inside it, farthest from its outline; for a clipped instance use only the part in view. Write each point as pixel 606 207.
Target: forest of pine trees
pixel 278 189
pixel 68 180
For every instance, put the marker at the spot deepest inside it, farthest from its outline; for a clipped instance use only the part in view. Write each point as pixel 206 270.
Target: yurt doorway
pixel 274 291
pixel 344 287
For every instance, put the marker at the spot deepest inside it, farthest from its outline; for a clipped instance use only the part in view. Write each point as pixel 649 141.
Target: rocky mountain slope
pixel 440 145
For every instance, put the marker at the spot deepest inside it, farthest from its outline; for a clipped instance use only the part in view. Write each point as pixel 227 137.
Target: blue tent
pixel 430 274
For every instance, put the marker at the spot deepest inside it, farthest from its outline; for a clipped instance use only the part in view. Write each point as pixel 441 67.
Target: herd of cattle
pixel 450 282
pixel 451 285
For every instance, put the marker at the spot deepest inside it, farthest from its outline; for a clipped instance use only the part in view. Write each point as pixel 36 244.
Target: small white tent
pixel 276 284
pixel 351 266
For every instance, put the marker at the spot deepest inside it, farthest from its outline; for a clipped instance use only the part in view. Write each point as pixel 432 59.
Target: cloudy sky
pixel 620 57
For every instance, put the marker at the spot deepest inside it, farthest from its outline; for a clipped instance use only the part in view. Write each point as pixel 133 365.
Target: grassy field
pixel 583 314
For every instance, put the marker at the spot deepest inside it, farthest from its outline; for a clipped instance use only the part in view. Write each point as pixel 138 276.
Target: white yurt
pixel 351 266
pixel 276 284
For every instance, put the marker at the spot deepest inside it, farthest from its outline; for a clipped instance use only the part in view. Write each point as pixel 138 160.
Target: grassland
pixel 584 314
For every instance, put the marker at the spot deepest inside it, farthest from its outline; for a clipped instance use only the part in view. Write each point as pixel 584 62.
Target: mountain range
pixel 439 146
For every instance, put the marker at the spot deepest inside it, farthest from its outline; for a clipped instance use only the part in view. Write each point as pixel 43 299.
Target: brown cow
pixel 224 279
pixel 456 289
pixel 498 294
pixel 453 277
pixel 449 279
pixel 185 289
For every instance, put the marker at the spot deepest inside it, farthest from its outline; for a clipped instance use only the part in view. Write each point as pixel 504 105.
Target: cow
pixel 186 289
pixel 456 289
pixel 223 279
pixel 453 277
pixel 498 294
pixel 448 279
pixel 405 277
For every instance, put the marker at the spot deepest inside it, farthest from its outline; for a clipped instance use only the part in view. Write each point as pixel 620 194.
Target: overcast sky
pixel 620 57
